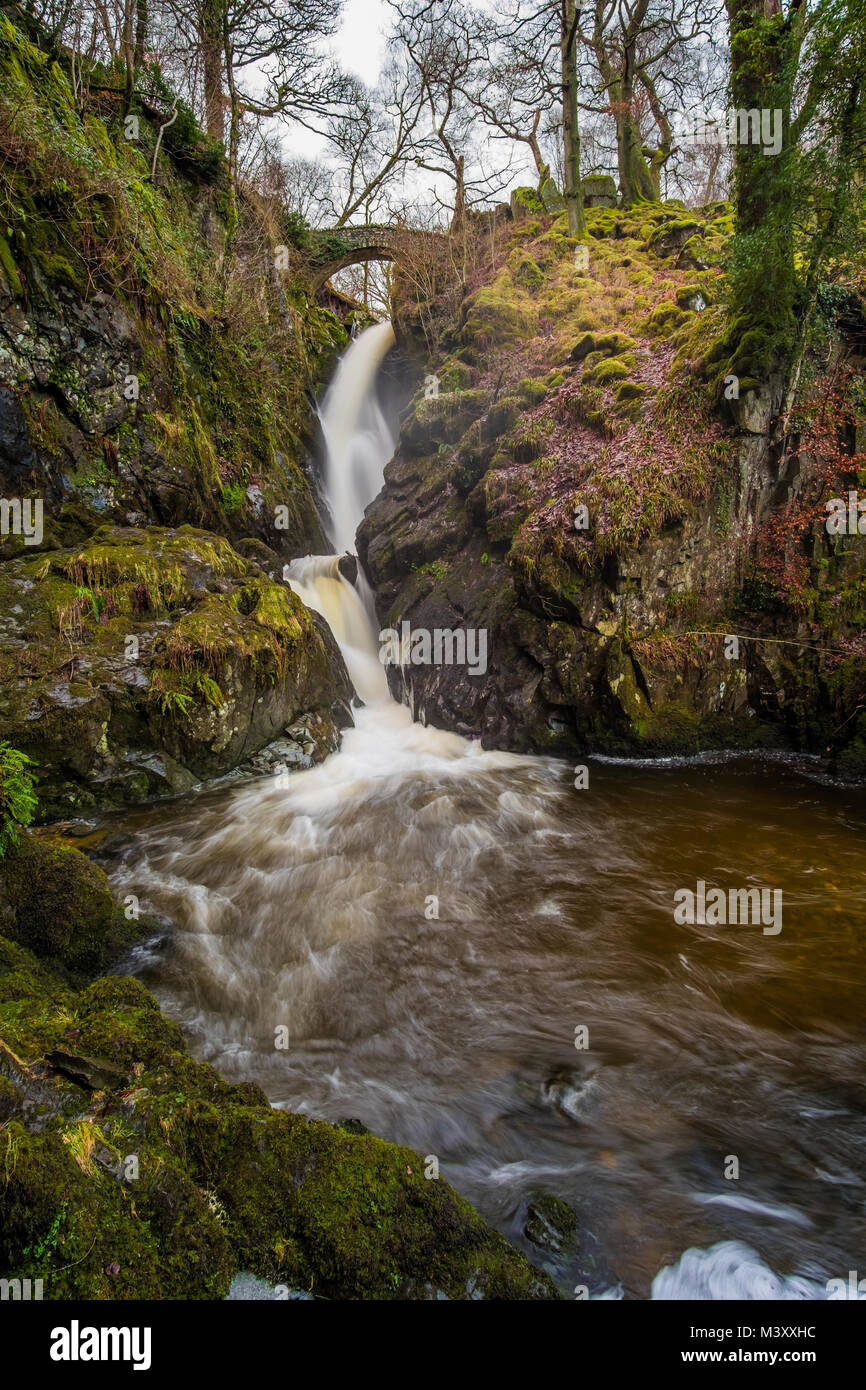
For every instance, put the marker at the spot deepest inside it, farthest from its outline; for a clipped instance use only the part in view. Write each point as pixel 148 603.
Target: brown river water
pixel 304 907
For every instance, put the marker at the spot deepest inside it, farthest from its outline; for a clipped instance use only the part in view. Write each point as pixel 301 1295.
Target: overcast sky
pixel 359 47
pixel 360 43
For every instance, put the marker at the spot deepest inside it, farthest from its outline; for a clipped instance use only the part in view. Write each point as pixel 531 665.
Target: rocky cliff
pixel 154 414
pixel 577 476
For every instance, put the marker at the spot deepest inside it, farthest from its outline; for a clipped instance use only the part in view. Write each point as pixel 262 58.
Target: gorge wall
pixel 574 478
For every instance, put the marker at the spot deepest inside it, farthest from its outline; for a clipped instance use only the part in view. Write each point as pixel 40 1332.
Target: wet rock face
pixel 560 677
pixel 143 661
pixel 97 417
pixel 57 903
pixel 551 1224
pixel 574 390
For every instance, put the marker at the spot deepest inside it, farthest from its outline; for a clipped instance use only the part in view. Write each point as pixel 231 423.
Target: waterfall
pixel 358 442
pixel 318 582
pixel 435 923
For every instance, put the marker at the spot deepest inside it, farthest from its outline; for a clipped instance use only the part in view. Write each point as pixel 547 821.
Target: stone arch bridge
pixel 335 248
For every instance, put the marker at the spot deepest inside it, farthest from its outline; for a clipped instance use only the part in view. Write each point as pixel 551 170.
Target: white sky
pixel 360 43
pixel 359 47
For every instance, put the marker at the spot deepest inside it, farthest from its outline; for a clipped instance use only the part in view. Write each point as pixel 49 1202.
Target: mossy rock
pixel 672 235
pixel 502 416
pixel 531 392
pixel 599 191
pixel 525 202
pixel 9 269
pixel 605 344
pixel 495 315
pixel 630 391
pixel 693 298
pixel 664 320
pixel 551 198
pixel 606 372
pixel 61 903
pixel 528 274
pixel 583 347
pixel 551 1224
pixel 221 1181
pixel 455 376
pixel 443 419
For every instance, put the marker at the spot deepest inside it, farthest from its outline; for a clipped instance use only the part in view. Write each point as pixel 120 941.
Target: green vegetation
pixel 219 1182
pixel 17 798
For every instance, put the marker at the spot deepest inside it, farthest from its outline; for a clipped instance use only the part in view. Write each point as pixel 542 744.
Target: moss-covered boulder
pixel 131 1171
pixel 141 660
pixel 525 204
pixel 498 314
pixel 442 419
pixel 528 274
pixel 599 191
pixel 59 904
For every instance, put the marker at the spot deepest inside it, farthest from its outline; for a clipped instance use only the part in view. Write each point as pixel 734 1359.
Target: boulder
pixel 599 191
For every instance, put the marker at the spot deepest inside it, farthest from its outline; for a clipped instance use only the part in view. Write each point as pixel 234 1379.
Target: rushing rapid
pixel 436 924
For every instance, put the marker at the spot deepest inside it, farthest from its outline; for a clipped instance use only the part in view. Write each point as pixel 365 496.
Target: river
pixel 477 958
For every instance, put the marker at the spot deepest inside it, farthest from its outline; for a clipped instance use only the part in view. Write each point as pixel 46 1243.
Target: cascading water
pixel 358 442
pixel 434 922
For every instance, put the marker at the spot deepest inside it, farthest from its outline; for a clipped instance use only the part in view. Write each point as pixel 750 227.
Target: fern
pixel 18 800
pixel 211 691
pixel 172 700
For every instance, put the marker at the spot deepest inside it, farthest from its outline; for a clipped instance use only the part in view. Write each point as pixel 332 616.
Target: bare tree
pixel 377 136
pixel 637 46
pixel 444 44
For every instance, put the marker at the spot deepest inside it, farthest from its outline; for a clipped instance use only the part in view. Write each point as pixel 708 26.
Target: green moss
pixel 531 392
pixel 606 372
pixel 498 314
pixel 156 568
pixel 455 376
pixel 630 391
pixel 527 199
pixel 61 903
pixel 664 319
pixel 528 274
pixel 220 1181
pixel 9 268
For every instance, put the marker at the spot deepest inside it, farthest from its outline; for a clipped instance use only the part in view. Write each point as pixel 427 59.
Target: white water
pixel 358 442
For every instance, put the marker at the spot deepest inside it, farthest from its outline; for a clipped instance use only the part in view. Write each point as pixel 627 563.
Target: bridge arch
pixel 336 248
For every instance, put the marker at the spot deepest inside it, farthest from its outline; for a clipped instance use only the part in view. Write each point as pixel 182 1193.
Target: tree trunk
pixel 763 71
pixel 128 51
pixel 542 169
pixel 635 180
pixel 211 39
pixel 570 127
pixel 234 141
pixel 459 219
pixel 140 31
